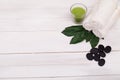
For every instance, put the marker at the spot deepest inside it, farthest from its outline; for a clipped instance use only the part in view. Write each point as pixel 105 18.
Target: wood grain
pixel 33 48
pixel 75 59
pixel 48 41
pixel 58 71
pixel 69 78
pixel 36 15
pixel 56 65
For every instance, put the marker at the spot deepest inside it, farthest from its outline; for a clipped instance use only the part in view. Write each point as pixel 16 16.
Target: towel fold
pixel 101 13
pixel 101 33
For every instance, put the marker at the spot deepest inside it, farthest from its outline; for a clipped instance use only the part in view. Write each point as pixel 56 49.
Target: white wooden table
pixel 33 48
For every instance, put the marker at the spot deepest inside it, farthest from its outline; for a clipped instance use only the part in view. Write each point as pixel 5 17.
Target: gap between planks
pixel 63 52
pixel 59 77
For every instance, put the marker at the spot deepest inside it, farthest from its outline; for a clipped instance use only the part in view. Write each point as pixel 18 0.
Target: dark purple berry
pixel 101 47
pixel 94 50
pixel 90 56
pixel 101 62
pixel 108 49
pixel 102 54
pixel 97 57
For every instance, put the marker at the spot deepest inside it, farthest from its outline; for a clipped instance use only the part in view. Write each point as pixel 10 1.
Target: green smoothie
pixel 78 13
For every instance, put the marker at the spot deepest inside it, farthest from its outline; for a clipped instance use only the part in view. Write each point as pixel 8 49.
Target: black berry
pixel 97 57
pixel 108 49
pixel 90 56
pixel 101 47
pixel 94 50
pixel 101 62
pixel 102 54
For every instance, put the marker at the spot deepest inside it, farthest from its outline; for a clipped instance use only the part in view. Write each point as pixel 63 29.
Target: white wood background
pixel 33 48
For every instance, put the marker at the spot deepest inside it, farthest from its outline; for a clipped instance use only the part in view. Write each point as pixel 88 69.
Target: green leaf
pixel 72 30
pixel 94 41
pixel 79 37
pixel 79 34
pixel 88 36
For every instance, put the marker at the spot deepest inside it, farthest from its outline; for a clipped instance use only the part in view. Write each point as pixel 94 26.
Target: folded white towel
pixel 100 14
pixel 101 33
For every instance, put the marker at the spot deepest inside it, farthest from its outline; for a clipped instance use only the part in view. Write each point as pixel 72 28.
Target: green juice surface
pixel 78 13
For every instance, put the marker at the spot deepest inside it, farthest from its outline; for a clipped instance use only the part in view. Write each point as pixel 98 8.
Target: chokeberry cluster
pixel 98 54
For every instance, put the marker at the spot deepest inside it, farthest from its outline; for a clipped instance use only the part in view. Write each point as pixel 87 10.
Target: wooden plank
pixel 58 71
pixel 16 4
pixel 56 65
pixel 48 41
pixel 43 59
pixel 77 59
pixel 70 78
pixel 25 66
pixel 36 15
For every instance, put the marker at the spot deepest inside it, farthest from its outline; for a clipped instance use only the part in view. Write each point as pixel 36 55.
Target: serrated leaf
pixel 79 37
pixel 72 30
pixel 94 41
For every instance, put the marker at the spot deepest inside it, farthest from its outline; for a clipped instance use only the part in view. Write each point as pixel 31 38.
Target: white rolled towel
pixel 86 24
pixel 101 14
pixel 101 33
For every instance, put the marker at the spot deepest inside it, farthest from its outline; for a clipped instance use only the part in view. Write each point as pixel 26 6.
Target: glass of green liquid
pixel 78 11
